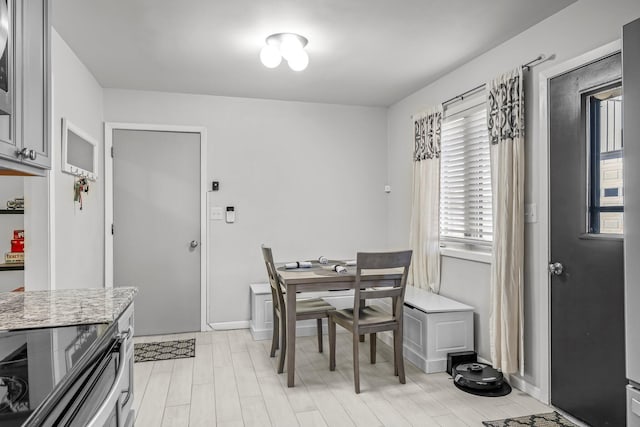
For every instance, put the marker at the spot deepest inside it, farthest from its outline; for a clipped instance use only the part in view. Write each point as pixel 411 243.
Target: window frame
pixel 471 105
pixel 594 208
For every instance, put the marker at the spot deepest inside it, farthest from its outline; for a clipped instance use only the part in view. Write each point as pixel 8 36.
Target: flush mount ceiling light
pixel 289 46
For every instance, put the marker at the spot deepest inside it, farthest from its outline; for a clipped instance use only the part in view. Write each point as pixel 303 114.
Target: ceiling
pixel 362 52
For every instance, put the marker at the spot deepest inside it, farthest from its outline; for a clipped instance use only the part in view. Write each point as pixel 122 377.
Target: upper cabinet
pixel 25 85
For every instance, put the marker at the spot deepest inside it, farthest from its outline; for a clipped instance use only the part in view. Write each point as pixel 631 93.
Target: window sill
pixel 468 254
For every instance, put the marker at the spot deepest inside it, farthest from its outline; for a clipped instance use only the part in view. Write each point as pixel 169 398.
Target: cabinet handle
pixel 26 153
pixel 23 153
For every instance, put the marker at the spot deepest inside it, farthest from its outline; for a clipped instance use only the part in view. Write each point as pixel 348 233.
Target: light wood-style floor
pixel 232 381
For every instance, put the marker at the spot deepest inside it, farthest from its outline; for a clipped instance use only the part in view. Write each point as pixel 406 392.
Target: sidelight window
pixel 606 189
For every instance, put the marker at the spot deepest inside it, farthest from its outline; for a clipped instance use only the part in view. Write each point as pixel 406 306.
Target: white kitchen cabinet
pixel 25 106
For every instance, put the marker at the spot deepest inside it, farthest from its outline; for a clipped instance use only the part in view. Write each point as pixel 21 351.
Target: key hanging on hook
pixel 80 186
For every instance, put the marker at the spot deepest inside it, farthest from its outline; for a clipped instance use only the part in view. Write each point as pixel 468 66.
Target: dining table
pixel 323 277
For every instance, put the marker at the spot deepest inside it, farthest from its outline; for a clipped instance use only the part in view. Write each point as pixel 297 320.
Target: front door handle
pixel 556 268
pixel 193 244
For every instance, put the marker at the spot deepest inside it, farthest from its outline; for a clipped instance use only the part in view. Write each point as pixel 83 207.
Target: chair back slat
pixel 369 261
pixel 276 289
pixel 380 293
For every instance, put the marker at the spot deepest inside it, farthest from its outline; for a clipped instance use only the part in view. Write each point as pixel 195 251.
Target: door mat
pixel 164 350
pixel 552 419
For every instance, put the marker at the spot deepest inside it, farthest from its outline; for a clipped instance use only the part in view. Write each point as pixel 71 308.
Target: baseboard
pixel 485 361
pixel 261 334
pixel 525 387
pixel 223 326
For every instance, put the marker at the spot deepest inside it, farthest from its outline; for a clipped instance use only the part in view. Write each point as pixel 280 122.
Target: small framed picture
pixel 79 152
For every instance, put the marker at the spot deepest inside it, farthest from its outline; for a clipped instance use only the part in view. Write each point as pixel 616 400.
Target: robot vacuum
pixel 480 379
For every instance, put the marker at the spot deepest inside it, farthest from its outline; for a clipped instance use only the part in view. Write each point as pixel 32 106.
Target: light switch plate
pixel 530 213
pixel 216 213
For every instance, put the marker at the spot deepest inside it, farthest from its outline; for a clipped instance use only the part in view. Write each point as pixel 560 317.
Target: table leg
pixel 291 335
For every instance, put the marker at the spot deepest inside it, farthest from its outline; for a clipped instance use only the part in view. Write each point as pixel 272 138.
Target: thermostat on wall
pixel 231 214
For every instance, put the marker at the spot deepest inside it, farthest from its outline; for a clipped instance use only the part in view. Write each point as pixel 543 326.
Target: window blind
pixel 465 175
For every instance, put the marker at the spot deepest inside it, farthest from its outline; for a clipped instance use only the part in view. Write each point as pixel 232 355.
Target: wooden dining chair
pixel 313 308
pixel 361 319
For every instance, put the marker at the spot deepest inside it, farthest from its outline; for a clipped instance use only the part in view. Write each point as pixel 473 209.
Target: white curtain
pixel 425 210
pixel 505 110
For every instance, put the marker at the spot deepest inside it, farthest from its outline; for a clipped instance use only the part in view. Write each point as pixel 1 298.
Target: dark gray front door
pixel 587 298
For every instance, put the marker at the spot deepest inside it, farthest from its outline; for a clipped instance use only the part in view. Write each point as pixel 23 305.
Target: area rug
pixel 164 350
pixel 552 419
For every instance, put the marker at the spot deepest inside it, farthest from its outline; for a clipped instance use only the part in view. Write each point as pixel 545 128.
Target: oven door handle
pixel 102 414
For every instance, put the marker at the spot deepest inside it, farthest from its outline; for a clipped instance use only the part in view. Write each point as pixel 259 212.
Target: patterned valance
pixel 505 112
pixel 427 129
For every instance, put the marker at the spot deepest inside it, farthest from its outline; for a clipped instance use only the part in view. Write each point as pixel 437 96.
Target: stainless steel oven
pixel 102 394
pixel 78 375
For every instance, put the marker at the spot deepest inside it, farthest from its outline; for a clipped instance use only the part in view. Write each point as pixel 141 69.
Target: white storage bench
pixel 261 324
pixel 433 325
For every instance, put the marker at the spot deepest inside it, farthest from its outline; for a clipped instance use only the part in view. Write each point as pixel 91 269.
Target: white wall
pixel 307 179
pixel 78 238
pixel 37 257
pixel 583 26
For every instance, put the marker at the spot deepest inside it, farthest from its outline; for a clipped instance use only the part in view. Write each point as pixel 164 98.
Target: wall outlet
pixel 530 213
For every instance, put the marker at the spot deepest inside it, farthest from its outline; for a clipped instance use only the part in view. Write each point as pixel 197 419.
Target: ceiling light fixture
pixel 289 46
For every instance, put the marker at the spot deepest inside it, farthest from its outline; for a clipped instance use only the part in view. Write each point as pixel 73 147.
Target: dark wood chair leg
pixel 332 345
pixel 319 335
pixel 397 338
pixel 274 335
pixel 372 343
pixel 356 365
pixel 283 346
pixel 395 356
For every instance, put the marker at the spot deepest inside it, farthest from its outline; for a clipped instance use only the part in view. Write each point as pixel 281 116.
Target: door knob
pixel 556 268
pixel 193 244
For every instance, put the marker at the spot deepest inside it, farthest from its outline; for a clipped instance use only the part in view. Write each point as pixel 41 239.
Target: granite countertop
pixel 64 307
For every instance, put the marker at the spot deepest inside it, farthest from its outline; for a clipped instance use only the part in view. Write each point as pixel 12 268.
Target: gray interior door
pixel 587 297
pixel 156 211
